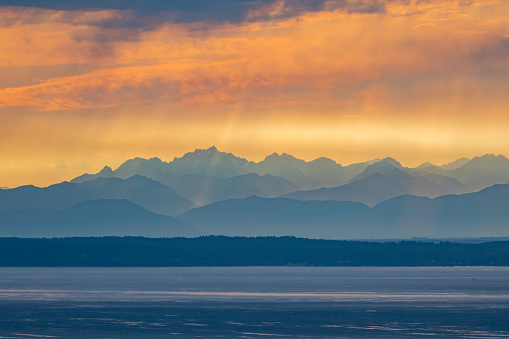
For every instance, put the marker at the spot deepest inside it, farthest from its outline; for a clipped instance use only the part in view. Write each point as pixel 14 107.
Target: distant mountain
pixel 386 167
pixel 139 166
pixel 268 185
pixel 378 187
pixel 426 164
pixel 198 188
pixel 476 174
pixel 106 172
pixel 256 216
pixel 324 172
pixel 448 167
pixel 92 218
pixel 455 164
pixel 52 197
pixel 149 168
pixel 203 190
pixel 209 162
pixel 482 172
pixel 148 193
pixel 351 171
pixel 480 214
pixel 321 172
pixel 284 166
pixel 430 169
pixel 281 195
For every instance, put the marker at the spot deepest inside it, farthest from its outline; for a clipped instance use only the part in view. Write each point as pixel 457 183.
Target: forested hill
pixel 242 251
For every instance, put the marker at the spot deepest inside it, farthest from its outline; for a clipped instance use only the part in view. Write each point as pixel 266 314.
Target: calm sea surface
pixel 254 302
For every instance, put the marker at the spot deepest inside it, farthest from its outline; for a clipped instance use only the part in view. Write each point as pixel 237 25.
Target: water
pixel 254 302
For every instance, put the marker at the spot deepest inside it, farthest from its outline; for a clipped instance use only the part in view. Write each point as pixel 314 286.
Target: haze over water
pixel 251 302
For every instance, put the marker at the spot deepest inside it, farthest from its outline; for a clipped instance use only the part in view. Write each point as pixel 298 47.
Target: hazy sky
pixel 85 84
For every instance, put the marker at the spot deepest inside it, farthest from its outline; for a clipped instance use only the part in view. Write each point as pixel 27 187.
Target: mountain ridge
pixel 379 187
pixel 146 192
pixel 103 217
pixel 476 173
pixel 280 195
pixel 479 214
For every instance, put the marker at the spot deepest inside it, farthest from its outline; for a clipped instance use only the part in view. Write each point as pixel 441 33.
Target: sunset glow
pixel 351 80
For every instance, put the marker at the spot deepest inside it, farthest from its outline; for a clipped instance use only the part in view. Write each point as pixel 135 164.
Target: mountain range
pixel 475 174
pixel 212 192
pixel 384 180
pixel 321 172
pixel 91 218
pixel 479 214
pixel 143 191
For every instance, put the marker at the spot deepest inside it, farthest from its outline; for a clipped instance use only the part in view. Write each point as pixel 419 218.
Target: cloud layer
pixel 209 10
pixel 336 75
pixel 337 57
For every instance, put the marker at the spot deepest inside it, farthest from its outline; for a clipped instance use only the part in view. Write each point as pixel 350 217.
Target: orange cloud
pixel 325 57
pixel 428 78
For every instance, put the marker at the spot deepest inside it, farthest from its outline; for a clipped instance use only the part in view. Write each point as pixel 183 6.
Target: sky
pixel 84 84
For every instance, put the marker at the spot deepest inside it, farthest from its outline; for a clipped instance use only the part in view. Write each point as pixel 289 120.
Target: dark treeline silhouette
pixel 243 251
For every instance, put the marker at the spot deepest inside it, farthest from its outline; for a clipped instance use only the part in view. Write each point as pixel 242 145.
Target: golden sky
pixel 351 80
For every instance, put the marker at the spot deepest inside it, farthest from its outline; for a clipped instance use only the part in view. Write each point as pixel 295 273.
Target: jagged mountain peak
pixel 391 161
pixel 387 167
pixel 145 167
pixel 384 165
pixel 477 173
pixel 106 170
pixel 199 152
pixel 489 157
pixel 134 179
pixel 210 162
pixel 324 161
pixel 284 157
pixel 483 171
pixel 455 164
pixel 135 162
pixel 272 156
pixel 211 151
pixel 490 162
pixel 426 164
